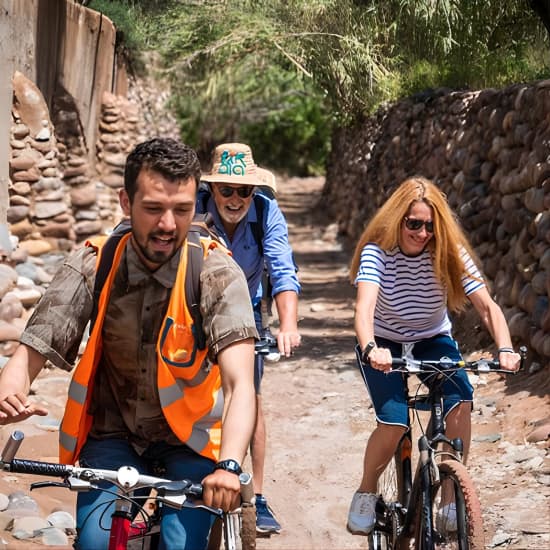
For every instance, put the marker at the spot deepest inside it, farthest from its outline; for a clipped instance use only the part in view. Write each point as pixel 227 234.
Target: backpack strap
pixel 105 262
pixel 195 260
pixel 257 227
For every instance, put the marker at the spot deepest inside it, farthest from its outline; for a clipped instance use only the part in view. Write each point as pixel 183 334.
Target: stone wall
pixel 490 153
pixel 56 198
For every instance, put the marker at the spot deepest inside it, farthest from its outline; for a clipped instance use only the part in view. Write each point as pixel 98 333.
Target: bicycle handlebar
pixel 171 492
pixel 267 345
pixel 446 364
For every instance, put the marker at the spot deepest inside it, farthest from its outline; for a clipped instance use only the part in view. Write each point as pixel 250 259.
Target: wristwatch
pixel 368 348
pixel 229 465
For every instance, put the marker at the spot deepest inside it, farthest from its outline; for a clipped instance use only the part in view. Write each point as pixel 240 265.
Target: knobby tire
pixel 469 534
pixel 248 527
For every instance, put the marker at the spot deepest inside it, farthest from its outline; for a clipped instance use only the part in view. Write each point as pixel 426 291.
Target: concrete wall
pixel 17 49
pixel 62 47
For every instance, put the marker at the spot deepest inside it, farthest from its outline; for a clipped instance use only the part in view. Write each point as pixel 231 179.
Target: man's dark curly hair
pixel 169 157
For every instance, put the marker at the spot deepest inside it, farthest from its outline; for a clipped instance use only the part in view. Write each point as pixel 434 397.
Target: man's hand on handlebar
pixel 17 407
pixel 221 489
pixel 287 341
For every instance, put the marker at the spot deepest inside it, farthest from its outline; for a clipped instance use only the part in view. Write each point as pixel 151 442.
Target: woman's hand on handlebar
pixel 221 489
pixel 16 407
pixel 509 361
pixel 380 359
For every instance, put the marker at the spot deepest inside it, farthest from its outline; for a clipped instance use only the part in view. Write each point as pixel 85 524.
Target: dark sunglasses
pixel 415 225
pixel 243 192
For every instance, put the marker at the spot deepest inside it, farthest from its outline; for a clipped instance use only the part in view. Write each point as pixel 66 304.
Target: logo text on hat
pixel 232 164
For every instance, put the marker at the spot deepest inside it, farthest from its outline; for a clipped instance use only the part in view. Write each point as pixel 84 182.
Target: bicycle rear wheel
pixel 462 530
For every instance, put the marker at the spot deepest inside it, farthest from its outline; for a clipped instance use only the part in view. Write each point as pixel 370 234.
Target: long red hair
pixel 447 242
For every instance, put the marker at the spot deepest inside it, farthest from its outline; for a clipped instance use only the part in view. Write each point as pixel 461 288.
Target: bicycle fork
pixel 120 525
pixel 428 475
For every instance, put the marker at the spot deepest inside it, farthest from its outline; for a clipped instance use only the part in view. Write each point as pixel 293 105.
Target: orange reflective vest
pixel 190 394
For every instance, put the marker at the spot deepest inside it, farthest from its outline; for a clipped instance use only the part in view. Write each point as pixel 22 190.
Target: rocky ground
pixel 319 417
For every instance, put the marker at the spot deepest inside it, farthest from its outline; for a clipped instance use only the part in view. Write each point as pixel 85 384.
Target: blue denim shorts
pixel 388 392
pixel 258 359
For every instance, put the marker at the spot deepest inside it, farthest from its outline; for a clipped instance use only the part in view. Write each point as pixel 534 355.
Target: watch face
pixel 229 465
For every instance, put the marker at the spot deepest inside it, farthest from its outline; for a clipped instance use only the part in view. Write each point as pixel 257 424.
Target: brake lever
pixel 42 484
pixel 523 355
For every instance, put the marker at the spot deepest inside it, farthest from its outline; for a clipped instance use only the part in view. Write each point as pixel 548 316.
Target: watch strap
pixel 368 348
pixel 229 465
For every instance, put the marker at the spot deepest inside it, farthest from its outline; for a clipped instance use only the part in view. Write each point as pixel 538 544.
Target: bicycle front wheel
pixel 454 513
pixel 240 529
pixel 248 527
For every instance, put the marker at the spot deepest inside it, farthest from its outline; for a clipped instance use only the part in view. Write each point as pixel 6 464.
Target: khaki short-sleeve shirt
pixel 125 401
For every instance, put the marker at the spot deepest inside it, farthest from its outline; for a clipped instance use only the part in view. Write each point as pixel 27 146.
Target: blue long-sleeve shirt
pixel 277 252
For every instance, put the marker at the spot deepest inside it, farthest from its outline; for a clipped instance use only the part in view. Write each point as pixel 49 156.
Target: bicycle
pixel 408 507
pixel 131 530
pixel 236 530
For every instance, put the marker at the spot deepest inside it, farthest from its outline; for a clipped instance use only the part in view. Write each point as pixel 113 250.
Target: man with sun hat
pixel 256 232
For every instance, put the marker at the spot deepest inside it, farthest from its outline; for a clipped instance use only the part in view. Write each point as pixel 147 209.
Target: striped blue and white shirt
pixel 412 303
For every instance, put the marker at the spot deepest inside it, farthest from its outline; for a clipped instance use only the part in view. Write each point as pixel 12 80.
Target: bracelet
pixel 506 350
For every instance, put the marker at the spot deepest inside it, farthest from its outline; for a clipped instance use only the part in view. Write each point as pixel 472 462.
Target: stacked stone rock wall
pixel 39 213
pixel 118 133
pixel 56 198
pixel 73 158
pixel 124 122
pixel 489 151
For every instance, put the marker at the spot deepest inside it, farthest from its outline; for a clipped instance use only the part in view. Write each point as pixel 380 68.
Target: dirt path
pixel 319 417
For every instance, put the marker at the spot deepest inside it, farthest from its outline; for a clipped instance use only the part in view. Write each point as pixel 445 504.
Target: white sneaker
pixel 362 513
pixel 446 518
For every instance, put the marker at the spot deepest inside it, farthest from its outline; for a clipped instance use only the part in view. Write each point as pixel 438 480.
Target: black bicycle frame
pixel 422 482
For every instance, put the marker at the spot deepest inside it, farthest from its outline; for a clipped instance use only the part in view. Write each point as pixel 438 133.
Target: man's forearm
pixel 237 371
pixel 238 425
pixel 287 310
pixel 21 369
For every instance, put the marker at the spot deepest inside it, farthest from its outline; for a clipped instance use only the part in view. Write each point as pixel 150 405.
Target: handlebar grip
pixel 12 446
pixel 39 468
pixel 247 489
pixel 196 490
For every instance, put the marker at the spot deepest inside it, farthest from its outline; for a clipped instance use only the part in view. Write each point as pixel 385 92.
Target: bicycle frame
pixel 428 447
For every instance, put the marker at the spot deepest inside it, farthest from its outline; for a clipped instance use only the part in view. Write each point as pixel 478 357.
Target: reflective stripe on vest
pixel 189 389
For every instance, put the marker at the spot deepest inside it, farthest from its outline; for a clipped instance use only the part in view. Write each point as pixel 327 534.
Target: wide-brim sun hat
pixel 233 163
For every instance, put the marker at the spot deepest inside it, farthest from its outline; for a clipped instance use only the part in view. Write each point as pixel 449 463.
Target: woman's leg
pixel 459 424
pixel 380 448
